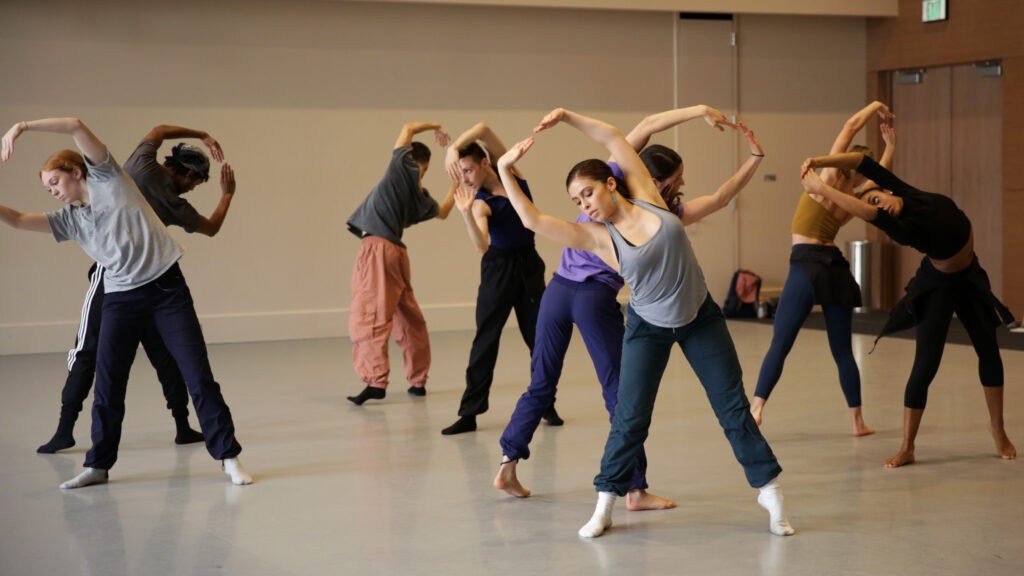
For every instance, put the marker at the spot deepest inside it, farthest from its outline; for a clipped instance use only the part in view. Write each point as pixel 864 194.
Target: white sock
pixel 232 467
pixel 90 476
pixel 770 499
pixel 602 518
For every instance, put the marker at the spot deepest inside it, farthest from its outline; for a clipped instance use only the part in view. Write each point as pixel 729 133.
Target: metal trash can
pixel 868 263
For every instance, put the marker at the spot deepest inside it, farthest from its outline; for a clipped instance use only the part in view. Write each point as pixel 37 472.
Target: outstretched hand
pixel 214 147
pixel 716 119
pixel 227 179
pixel 888 134
pixel 9 138
pixel 515 153
pixel 464 198
pixel 755 145
pixel 552 118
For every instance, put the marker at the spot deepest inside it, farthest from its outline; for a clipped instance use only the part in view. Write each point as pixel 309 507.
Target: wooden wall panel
pixel 1013 184
pixel 977 163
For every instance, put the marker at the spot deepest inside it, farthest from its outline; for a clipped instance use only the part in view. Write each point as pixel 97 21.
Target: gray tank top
pixel 663 273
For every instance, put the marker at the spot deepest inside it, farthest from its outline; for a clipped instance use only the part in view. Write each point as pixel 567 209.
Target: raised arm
pixel 638 179
pixel 410 129
pixel 445 206
pixel 889 137
pixel 22 221
pixel 210 226
pixel 482 132
pixel 588 236
pixel 845 161
pixel 90 146
pixel 813 184
pixel 851 128
pixel 642 132
pixel 475 213
pixel 166 132
pixel 702 206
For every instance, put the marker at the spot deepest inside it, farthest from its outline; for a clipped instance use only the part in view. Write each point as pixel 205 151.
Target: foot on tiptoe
pixel 368 393
pixel 552 418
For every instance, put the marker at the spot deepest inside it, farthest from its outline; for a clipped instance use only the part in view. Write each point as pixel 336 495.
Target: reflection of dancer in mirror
pixel 583 293
pixel 949 280
pixel 511 271
pixel 163 186
pixel 111 220
pixel 819 274
pixel 634 232
pixel 382 296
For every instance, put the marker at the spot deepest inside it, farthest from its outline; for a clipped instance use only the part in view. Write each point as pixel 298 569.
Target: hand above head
pixel 888 134
pixel 515 153
pixel 214 147
pixel 9 138
pixel 442 137
pixel 752 141
pixel 884 114
pixel 464 199
pixel 716 119
pixel 227 179
pixel 552 118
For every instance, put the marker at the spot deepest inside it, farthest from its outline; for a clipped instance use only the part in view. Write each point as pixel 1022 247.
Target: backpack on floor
pixel 744 292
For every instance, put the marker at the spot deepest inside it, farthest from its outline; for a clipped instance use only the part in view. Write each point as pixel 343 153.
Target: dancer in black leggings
pixel 949 280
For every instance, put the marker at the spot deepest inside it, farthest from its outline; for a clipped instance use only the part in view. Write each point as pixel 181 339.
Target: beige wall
pixel 307 98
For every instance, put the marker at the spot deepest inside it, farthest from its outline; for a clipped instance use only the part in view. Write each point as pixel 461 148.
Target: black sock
pixel 417 391
pixel 186 435
pixel 463 424
pixel 552 417
pixel 62 438
pixel 368 393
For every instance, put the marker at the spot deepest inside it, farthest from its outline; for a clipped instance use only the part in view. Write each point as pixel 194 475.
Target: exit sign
pixel 933 11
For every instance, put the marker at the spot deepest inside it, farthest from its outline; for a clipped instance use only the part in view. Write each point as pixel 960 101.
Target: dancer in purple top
pixel 583 292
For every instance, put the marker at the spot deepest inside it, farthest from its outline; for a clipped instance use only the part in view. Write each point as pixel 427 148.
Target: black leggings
pixel 936 311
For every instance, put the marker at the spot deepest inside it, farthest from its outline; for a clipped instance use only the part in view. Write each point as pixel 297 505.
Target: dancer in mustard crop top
pixel 819 274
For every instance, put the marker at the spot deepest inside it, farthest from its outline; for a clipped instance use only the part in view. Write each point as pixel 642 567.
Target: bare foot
pixel 902 458
pixel 1005 448
pixel 756 407
pixel 643 500
pixel 506 480
pixel 859 427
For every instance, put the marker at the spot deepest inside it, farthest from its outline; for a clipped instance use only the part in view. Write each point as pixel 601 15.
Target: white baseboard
pixel 36 338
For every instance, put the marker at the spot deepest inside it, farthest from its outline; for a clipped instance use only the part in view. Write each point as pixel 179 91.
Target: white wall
pixel 307 98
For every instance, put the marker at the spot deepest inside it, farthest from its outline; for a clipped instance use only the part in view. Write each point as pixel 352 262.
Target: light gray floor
pixel 378 490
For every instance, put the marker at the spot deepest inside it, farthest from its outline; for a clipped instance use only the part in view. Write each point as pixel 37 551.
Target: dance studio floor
pixel 378 490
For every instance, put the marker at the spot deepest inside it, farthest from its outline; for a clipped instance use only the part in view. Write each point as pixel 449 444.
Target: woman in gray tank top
pixel 637 235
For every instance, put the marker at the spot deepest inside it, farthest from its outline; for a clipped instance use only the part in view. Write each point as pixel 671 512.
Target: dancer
pixel 669 304
pixel 382 296
pixel 949 280
pixel 163 187
pixel 114 224
pixel 583 292
pixel 511 271
pixel 819 274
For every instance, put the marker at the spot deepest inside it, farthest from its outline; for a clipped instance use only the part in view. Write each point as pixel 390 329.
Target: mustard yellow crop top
pixel 814 221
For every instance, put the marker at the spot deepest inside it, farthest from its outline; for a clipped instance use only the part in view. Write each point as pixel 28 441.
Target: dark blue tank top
pixel 504 226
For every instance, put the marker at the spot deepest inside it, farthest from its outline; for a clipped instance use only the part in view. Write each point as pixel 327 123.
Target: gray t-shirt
pixel 395 203
pixel 118 229
pixel 667 283
pixel 157 186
